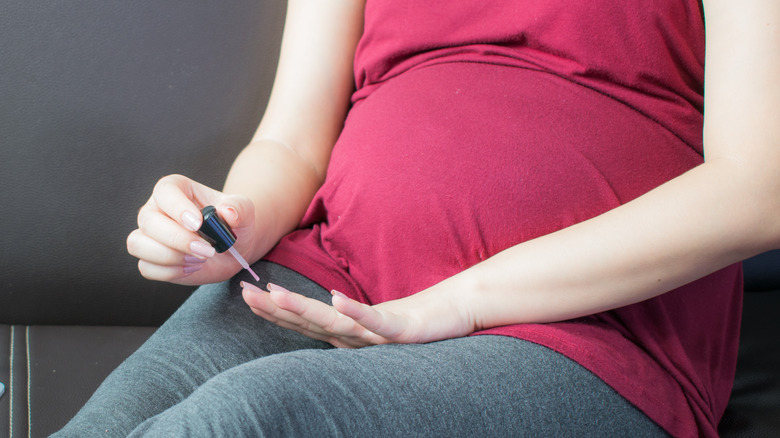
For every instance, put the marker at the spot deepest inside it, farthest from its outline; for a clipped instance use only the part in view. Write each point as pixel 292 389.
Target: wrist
pixel 455 303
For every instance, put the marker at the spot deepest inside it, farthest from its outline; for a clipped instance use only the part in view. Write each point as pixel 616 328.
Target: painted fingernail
pixel 191 259
pixel 190 220
pixel 250 287
pixel 202 249
pixel 274 287
pixel 189 269
pixel 336 293
pixel 232 212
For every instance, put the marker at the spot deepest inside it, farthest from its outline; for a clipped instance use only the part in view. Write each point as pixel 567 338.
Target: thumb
pixel 237 210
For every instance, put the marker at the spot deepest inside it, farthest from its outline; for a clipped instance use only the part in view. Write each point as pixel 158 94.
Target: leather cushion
pixel 754 407
pixel 56 369
pixel 100 100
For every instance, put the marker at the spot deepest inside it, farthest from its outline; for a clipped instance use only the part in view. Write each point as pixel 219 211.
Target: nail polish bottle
pixel 217 233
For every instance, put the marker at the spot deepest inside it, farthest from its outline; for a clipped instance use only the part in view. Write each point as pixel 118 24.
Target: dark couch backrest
pixel 98 100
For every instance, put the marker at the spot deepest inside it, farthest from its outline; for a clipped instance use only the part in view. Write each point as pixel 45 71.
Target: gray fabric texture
pixel 217 370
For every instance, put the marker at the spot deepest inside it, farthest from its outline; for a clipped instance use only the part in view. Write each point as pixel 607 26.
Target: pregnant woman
pixel 472 218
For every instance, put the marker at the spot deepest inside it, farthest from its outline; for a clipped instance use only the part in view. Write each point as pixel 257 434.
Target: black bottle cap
pixel 215 230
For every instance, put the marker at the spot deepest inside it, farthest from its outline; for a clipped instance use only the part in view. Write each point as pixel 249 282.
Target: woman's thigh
pixel 475 386
pixel 213 331
pixel 217 324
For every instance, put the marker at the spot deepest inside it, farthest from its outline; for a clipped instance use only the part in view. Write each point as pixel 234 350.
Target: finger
pixel 236 210
pixel 176 196
pixel 318 315
pixel 143 247
pixel 282 323
pixel 172 274
pixel 384 324
pixel 336 341
pixel 261 305
pixel 260 301
pixel 161 228
pixel 265 306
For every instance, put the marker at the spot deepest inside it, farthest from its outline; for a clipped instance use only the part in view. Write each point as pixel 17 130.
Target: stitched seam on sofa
pixel 11 387
pixel 29 378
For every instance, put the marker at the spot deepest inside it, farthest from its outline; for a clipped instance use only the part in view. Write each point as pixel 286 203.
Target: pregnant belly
pixel 446 165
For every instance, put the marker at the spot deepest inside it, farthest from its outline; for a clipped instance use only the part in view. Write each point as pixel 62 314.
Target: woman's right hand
pixel 166 242
pixel 281 168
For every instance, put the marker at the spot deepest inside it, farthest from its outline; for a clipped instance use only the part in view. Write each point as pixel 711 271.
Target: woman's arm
pixel 723 211
pixel 285 162
pixel 275 177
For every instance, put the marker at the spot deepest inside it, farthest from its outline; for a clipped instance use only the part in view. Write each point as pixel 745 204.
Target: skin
pixel 730 203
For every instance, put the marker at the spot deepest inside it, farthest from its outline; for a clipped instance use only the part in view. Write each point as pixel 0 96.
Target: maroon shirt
pixel 478 125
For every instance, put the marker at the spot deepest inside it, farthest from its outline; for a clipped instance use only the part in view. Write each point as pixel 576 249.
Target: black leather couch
pixel 100 99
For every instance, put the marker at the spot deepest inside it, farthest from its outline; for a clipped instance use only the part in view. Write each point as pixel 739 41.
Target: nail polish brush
pixel 217 233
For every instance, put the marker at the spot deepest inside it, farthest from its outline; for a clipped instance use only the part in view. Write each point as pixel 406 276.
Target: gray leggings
pixel 217 370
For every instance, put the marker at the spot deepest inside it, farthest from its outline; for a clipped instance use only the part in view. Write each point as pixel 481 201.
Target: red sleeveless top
pixel 479 125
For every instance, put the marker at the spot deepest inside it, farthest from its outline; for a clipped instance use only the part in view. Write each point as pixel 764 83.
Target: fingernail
pixel 202 249
pixel 190 220
pixel 191 259
pixel 189 269
pixel 233 213
pixel 250 287
pixel 275 287
pixel 336 293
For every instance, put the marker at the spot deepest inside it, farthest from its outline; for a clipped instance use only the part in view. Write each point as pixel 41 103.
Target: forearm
pixel 670 236
pixel 663 239
pixel 716 214
pixel 285 163
pixel 279 183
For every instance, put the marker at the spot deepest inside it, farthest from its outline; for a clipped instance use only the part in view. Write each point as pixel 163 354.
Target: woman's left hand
pixel 350 324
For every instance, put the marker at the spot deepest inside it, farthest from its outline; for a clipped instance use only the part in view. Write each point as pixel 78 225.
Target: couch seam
pixel 11 386
pixel 29 379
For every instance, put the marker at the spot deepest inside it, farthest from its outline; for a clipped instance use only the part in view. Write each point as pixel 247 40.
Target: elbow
pixel 746 200
pixel 761 202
